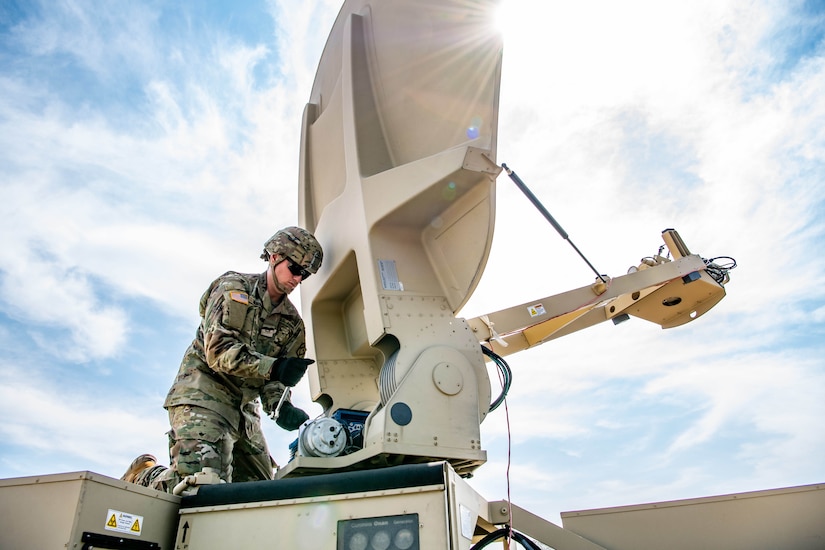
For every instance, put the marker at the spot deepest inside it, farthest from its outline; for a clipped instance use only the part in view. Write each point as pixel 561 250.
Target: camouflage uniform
pixel 213 403
pixel 144 470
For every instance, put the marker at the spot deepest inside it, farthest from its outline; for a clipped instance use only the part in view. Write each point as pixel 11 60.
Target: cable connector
pixel 207 476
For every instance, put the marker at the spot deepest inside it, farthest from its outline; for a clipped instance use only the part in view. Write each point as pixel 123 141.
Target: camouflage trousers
pixel 201 438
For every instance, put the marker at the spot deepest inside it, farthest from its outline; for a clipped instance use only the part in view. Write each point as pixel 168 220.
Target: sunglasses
pixel 297 270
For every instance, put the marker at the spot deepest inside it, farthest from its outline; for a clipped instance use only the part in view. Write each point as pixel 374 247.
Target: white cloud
pixel 751 391
pixel 100 37
pixel 301 36
pixel 76 428
pixel 64 297
pixel 196 189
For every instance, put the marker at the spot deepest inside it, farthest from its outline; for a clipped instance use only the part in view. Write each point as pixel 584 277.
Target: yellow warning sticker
pixel 536 310
pixel 123 522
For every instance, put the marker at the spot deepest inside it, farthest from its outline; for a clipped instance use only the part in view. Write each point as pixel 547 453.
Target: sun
pixel 503 18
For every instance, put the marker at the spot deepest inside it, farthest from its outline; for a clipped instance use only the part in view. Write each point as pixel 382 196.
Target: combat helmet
pixel 297 244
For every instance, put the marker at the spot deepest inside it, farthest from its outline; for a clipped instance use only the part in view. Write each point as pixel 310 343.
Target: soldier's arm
pixel 224 319
pixel 272 391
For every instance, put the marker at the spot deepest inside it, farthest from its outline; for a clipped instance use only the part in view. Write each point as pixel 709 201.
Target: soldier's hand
pixel 291 417
pixel 289 370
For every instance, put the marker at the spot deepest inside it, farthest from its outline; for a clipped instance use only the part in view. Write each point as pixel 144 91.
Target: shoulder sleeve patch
pixel 235 305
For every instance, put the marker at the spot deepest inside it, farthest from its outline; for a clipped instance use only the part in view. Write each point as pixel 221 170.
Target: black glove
pixel 289 370
pixel 291 417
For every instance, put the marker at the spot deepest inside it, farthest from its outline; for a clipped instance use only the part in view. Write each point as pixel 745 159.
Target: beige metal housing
pixel 84 510
pixel 396 180
pixel 310 513
pixel 316 513
pixel 791 519
pixel 320 512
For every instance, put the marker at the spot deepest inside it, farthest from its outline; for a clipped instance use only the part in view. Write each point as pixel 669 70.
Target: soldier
pixel 144 470
pixel 249 346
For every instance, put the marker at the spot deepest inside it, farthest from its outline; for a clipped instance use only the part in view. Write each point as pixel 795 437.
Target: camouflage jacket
pixel 240 336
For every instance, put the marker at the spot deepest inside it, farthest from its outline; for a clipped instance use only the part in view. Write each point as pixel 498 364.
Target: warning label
pixel 123 522
pixel 536 310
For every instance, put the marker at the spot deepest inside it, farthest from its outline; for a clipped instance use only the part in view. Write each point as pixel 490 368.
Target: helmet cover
pixel 297 244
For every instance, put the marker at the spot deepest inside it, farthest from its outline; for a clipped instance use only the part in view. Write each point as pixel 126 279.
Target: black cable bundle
pixel 506 375
pixel 503 532
pixel 720 272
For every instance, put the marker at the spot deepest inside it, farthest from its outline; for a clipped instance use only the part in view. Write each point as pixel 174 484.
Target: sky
pixel 145 148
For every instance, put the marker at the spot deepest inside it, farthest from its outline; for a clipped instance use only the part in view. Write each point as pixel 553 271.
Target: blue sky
pixel 147 147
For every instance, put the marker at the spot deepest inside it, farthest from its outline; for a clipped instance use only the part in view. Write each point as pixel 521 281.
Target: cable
pixel 505 532
pixel 506 375
pixel 509 463
pixel 719 271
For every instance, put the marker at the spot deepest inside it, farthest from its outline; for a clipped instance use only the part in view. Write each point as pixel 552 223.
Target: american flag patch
pixel 240 297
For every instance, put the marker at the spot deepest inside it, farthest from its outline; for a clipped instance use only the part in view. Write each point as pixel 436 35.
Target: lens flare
pixel 449 191
pixel 474 129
